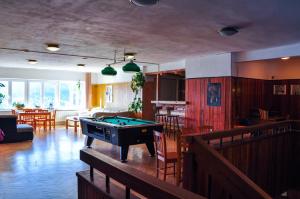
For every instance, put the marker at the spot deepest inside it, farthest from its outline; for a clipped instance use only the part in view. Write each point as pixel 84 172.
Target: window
pixel 65 94
pixel 50 94
pixel 18 91
pixel 43 93
pixel 35 94
pixel 4 95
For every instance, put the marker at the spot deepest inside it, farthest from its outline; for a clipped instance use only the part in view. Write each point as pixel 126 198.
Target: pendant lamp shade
pixel 131 67
pixel 108 70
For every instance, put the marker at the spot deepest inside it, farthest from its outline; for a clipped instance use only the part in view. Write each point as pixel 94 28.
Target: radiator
pixel 62 114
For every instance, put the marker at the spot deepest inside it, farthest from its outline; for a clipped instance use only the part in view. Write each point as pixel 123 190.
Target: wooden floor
pixel 45 168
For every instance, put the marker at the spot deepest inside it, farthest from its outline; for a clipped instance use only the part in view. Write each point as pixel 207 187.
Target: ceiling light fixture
pixel 131 67
pixel 144 2
pixel 285 58
pixel 129 56
pixel 32 61
pixel 52 47
pixel 81 65
pixel 108 70
pixel 228 31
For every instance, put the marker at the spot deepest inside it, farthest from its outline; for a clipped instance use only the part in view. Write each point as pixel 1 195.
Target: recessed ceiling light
pixel 81 65
pixel 84 57
pixel 285 58
pixel 228 31
pixel 52 47
pixel 144 2
pixel 32 61
pixel 129 56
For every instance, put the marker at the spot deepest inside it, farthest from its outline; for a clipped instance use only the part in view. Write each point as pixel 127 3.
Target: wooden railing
pixel 92 185
pixel 252 162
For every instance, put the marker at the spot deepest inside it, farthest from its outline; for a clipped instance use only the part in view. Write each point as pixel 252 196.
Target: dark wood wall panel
pixel 247 94
pixel 148 95
pixel 198 113
pixel 268 162
pixel 286 104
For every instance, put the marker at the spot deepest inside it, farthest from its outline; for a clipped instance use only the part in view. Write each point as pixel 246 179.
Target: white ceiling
pixel 171 30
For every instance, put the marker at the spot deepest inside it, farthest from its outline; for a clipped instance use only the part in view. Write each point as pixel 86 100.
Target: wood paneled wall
pixel 287 104
pixel 149 95
pixel 247 94
pixel 239 96
pixel 198 113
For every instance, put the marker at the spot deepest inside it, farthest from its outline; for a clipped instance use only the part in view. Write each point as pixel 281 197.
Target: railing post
pixel 127 192
pixel 92 173
pixel 107 183
pixel 189 172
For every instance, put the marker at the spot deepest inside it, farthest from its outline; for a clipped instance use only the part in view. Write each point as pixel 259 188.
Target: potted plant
pixel 2 96
pixel 137 84
pixel 19 105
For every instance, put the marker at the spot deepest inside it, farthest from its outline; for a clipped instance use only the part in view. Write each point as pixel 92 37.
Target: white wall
pixel 180 64
pixel 209 66
pixel 279 69
pixel 26 73
pixel 269 53
pixel 121 77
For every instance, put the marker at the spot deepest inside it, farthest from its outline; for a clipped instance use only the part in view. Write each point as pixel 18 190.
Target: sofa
pixel 14 132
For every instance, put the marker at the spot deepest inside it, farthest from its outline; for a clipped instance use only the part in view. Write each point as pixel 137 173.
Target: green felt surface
pixel 126 121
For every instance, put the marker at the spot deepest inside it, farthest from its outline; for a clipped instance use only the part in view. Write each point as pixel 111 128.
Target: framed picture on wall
pixel 109 94
pixel 279 89
pixel 214 94
pixel 295 89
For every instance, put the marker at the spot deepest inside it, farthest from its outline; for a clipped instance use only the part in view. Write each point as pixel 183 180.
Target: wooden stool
pixel 173 125
pixel 162 118
pixel 75 120
pixel 169 109
pixel 157 109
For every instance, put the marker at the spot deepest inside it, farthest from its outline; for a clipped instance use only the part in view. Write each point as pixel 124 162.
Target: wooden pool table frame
pixel 120 135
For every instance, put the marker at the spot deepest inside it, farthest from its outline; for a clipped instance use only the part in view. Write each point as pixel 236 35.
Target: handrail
pixel 141 183
pixel 207 160
pixel 250 133
pixel 240 185
pixel 241 130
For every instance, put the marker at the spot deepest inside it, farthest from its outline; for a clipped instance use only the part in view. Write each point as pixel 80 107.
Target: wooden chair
pixel 42 119
pixel 162 155
pixel 27 118
pixel 28 110
pixel 52 119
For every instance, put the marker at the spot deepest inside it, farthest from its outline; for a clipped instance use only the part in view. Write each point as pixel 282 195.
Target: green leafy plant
pixel 18 105
pixel 137 84
pixel 2 96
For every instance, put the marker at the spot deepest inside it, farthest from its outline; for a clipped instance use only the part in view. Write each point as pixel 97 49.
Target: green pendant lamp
pixel 131 67
pixel 108 70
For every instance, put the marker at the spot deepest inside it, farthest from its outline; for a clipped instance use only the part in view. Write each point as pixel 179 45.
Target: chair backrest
pixel 28 110
pixel 160 143
pixel 53 114
pixel 42 111
pixel 13 112
pixel 27 116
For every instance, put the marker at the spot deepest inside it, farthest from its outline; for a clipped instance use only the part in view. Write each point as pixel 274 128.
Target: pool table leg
pixel 89 141
pixel 123 153
pixel 150 147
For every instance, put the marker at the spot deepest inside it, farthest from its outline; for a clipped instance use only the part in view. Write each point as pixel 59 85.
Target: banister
pixel 141 183
pixel 242 130
pixel 223 170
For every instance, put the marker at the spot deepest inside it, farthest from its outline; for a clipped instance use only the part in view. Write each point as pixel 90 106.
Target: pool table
pixel 120 131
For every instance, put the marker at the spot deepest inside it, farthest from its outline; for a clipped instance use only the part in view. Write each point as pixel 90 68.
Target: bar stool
pixel 173 125
pixel 161 118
